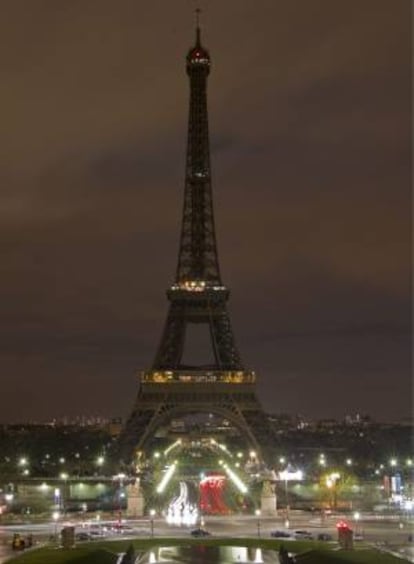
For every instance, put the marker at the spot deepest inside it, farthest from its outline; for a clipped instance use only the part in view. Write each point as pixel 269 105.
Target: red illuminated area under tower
pixel 212 495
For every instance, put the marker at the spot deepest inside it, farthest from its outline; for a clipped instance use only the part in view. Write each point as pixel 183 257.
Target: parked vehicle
pixel 200 533
pixel 82 536
pixel 281 534
pixel 324 537
pixel 18 543
pixel 302 535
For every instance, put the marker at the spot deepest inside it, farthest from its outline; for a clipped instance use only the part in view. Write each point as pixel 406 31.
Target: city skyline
pixel 310 134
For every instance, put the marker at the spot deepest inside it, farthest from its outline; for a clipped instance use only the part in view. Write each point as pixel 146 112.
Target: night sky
pixel 310 128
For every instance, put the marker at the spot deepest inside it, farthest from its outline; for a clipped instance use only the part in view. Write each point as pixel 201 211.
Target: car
pixel 122 529
pixel 96 534
pixel 82 536
pixel 302 535
pixel 358 537
pixel 280 534
pixel 200 533
pixel 324 537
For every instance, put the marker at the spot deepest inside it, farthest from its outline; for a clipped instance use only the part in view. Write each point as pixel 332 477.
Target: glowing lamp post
pixel 287 475
pixel 257 513
pixel 331 483
pixel 55 516
pixel 357 517
pixel 100 462
pixel 152 515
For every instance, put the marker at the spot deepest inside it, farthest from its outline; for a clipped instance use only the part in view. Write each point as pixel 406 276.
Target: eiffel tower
pixel 171 388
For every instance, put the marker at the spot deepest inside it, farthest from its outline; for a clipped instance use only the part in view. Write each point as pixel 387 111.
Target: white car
pixel 302 535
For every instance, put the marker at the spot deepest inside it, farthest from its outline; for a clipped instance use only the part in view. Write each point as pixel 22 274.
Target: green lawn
pixel 105 552
pixel 342 557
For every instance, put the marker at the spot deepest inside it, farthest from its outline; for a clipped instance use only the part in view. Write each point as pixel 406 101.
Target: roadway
pixel 385 533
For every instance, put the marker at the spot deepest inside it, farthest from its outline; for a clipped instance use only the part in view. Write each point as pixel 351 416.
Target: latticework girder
pixel 196 297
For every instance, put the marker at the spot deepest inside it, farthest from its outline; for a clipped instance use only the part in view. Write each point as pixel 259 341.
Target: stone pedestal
pixel 268 500
pixel 135 500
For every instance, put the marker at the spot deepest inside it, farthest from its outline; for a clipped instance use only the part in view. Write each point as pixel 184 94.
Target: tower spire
pixel 197 16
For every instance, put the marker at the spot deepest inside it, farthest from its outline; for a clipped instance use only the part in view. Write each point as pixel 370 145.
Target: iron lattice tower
pixel 197 296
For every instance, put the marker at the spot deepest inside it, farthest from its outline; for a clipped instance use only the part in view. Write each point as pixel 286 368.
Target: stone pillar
pixel 135 500
pixel 268 499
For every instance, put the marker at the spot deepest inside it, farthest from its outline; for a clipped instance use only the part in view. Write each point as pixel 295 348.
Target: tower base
pixel 164 395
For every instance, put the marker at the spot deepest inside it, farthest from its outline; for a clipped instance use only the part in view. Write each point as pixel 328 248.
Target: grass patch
pixel 368 556
pixel 309 552
pixel 82 555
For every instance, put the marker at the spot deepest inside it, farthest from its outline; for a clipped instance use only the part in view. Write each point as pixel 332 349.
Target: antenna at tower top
pixel 197 18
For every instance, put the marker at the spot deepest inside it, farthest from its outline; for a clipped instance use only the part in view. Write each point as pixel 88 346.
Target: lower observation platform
pixel 165 377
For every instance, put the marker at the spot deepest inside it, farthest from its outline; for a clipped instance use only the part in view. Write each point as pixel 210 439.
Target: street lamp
pixel 57 498
pixel 55 516
pixel 331 483
pixel 257 513
pixel 357 516
pixel 152 514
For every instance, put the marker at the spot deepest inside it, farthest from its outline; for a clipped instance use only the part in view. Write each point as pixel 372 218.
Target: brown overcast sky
pixel 310 121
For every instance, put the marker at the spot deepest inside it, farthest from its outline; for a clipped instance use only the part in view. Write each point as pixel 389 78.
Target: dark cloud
pixel 310 114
